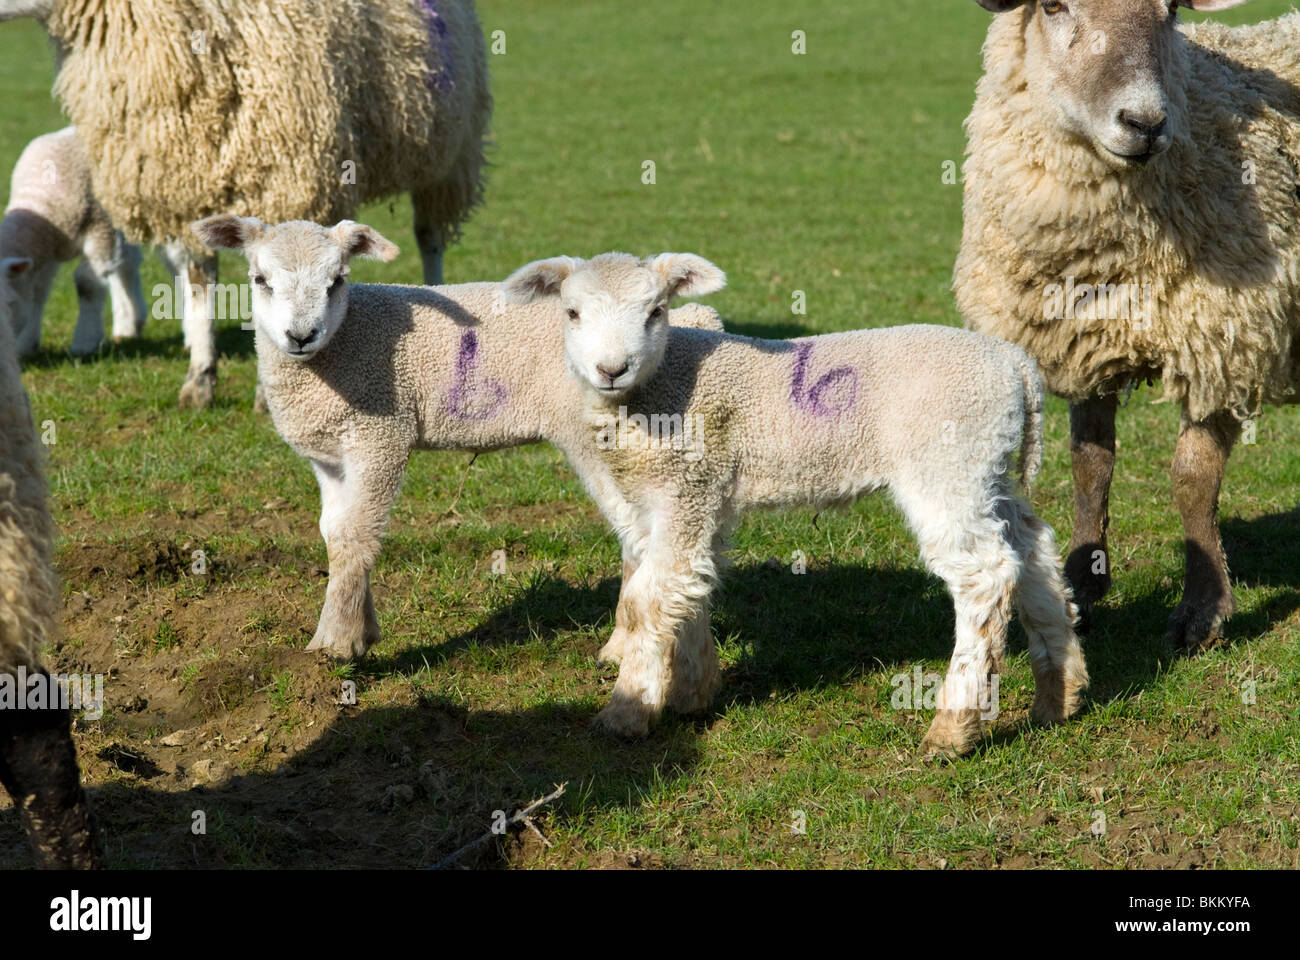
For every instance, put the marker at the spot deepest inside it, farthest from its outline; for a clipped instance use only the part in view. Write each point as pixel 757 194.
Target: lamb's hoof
pixel 952 734
pixel 612 652
pixel 338 645
pixel 197 392
pixel 1193 630
pixel 626 720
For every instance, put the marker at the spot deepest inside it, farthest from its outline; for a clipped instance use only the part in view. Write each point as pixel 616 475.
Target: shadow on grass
pixel 164 341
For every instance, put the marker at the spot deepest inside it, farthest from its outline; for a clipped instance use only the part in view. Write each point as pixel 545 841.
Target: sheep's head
pixel 616 310
pixel 299 273
pixel 1103 69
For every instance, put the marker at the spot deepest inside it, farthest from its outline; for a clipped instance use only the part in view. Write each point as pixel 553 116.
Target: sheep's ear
pixel 541 278
pixel 358 240
pixel 11 267
pixel 1208 6
pixel 1000 6
pixel 686 275
pixel 227 231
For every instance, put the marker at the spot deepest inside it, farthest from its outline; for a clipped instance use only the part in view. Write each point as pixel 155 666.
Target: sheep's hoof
pixel 1194 630
pixel 197 392
pixel 952 734
pixel 627 720
pixel 337 645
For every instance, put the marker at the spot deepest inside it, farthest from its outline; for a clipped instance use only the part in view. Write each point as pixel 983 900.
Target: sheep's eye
pixel 573 314
pixel 656 313
pixel 338 282
pixel 1052 7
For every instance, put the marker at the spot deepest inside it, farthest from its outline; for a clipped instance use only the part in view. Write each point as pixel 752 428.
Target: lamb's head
pixel 616 310
pixel 1101 69
pixel 299 273
pixel 13 9
pixel 17 299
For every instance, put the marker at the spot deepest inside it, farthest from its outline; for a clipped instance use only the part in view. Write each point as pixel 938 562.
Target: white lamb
pixel 53 217
pixel 933 414
pixel 358 376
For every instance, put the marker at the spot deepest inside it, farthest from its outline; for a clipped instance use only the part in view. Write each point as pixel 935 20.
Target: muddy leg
pixel 1197 473
pixel 1092 452
pixel 612 651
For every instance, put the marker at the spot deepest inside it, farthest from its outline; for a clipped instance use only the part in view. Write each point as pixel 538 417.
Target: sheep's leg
pixel 1092 453
pixel 200 329
pixel 1197 473
pixel 1043 600
pixel 38 766
pixel 126 291
pixel 354 509
pixel 612 651
pixel 92 293
pixel 430 236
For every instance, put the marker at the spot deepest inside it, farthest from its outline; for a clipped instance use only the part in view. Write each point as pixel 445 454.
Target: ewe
pixel 932 414
pixel 1132 211
pixel 53 217
pixel 356 377
pixel 292 109
pixel 38 762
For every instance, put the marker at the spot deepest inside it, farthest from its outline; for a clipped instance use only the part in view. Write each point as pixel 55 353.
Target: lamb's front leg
pixel 612 651
pixel 92 292
pixel 355 501
pixel 200 330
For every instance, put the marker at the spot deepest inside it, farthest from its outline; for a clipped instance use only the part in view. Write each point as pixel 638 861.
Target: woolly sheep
pixel 53 217
pixel 1132 211
pixel 358 376
pixel 932 414
pixel 38 762
pixel 295 109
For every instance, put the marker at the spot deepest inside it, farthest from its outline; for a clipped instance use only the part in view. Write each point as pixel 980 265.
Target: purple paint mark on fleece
pixel 443 77
pixel 462 387
pixel 811 401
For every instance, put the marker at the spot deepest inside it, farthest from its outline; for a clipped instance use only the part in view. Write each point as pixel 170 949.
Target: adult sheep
pixel 38 763
pixel 296 109
pixel 1132 211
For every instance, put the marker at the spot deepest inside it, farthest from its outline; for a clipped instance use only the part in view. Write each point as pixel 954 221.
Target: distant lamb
pixel 38 762
pixel 358 376
pixel 1132 211
pixel 292 109
pixel 53 217
pixel 933 414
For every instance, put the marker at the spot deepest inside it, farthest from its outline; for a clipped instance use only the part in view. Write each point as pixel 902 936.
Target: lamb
pixel 296 109
pixel 358 376
pixel 933 414
pixel 1132 212
pixel 53 217
pixel 38 762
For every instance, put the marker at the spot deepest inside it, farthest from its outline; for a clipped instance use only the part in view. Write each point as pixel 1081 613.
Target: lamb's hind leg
pixel 1197 473
pixel 354 508
pixel 200 329
pixel 1047 614
pixel 1092 452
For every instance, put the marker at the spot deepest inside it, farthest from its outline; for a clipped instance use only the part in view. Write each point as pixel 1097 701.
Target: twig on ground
pixel 519 816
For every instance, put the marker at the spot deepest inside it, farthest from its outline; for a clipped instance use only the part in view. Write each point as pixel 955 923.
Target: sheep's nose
pixel 1150 125
pixel 611 374
pixel 303 341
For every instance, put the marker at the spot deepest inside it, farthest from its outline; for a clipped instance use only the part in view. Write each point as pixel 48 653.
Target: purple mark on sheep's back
pixel 815 400
pixel 443 76
pixel 463 386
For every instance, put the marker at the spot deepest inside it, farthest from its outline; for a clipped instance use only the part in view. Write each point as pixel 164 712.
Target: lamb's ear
pixel 1209 6
pixel 541 278
pixel 358 240
pixel 11 267
pixel 227 231
pixel 686 275
pixel 1000 6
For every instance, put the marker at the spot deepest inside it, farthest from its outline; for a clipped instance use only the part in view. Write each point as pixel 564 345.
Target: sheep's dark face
pixel 1102 69
pixel 298 271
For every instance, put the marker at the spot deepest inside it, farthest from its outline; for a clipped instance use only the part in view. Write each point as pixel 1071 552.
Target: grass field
pixel 819 172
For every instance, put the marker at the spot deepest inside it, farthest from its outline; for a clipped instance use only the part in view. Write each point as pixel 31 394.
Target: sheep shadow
pixel 232 341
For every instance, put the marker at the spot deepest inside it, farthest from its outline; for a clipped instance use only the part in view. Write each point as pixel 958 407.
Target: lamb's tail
pixel 1031 442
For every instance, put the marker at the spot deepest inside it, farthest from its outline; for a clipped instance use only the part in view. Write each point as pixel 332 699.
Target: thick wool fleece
pixel 28 588
pixel 1219 257
pixel 293 109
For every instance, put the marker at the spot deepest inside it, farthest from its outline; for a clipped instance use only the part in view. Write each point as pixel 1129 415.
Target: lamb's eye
pixel 573 314
pixel 1052 7
pixel 337 284
pixel 656 313
pixel 261 282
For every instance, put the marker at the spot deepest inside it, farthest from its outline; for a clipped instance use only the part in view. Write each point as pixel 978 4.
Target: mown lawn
pixel 820 173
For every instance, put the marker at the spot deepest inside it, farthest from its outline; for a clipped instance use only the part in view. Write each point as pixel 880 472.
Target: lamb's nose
pixel 610 374
pixel 303 341
pixel 1150 125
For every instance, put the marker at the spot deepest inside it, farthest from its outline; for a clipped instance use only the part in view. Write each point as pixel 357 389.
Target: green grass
pixel 820 173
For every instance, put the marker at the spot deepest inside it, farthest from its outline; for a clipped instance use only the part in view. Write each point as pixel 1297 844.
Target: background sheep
pixel 299 109
pixel 38 763
pixel 931 413
pixel 1132 211
pixel 53 217
pixel 356 377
